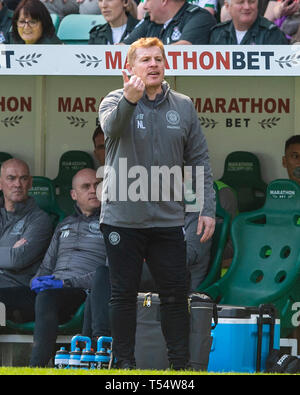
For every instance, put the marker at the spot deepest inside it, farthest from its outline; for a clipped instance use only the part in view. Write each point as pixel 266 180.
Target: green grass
pixel 104 372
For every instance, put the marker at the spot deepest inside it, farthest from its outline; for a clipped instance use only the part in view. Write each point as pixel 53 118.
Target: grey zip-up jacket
pixel 76 249
pixel 163 132
pixel 28 221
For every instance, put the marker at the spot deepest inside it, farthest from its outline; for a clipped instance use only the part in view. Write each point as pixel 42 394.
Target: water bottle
pixel 61 360
pixel 75 359
pixel 103 353
pixel 88 359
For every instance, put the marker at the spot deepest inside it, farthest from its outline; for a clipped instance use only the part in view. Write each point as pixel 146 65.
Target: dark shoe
pixel 124 364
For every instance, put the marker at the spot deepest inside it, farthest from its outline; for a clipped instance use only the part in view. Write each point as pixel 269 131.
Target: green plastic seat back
pixel 242 172
pixel 73 326
pixel 4 156
pixel 75 28
pixel 266 263
pixel 55 20
pixel 219 240
pixel 69 164
pixel 43 192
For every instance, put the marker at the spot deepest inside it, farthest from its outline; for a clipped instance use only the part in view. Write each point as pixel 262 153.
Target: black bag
pixel 150 345
pixel 279 362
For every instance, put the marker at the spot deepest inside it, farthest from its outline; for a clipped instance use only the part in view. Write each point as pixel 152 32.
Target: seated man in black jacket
pixel 59 287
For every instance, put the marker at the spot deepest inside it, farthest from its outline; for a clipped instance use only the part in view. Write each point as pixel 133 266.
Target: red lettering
pixel 174 56
pixel 285 106
pixel 233 106
pixel 220 104
pixel 25 104
pixel 12 104
pixel 187 60
pixel 90 104
pixel 64 104
pixel 210 58
pixel 221 60
pixel 113 63
pixel 255 105
pixel 244 101
pixel 77 106
pixel 208 107
pixel 198 104
pixel 270 105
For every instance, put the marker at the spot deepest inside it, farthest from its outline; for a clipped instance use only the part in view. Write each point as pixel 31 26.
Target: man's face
pixel 149 65
pixel 15 181
pixel 291 160
pixel 243 13
pixel 99 150
pixel 154 8
pixel 84 191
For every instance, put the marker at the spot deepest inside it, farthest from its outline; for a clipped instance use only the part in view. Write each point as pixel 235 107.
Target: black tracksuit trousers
pixel 165 253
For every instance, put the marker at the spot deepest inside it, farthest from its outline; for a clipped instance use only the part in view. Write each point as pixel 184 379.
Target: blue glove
pixel 37 283
pixel 41 283
pixel 52 283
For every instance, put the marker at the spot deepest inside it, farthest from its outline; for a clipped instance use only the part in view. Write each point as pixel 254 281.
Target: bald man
pixel 66 273
pixel 25 230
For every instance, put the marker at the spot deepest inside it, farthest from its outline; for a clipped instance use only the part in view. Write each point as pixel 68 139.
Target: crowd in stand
pixel 172 21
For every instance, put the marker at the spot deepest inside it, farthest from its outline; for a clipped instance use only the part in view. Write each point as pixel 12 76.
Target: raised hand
pixel 133 87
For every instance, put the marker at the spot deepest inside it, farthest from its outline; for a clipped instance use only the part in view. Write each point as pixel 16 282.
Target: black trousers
pixel 165 253
pixel 96 315
pixel 48 309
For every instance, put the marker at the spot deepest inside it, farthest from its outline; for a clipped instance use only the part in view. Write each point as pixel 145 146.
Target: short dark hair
pixel 38 11
pixel 97 131
pixel 292 140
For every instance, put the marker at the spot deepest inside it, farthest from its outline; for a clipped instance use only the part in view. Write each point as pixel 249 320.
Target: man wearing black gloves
pixel 60 285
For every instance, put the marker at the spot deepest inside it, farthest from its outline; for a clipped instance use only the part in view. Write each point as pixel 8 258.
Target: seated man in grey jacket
pixel 59 287
pixel 25 230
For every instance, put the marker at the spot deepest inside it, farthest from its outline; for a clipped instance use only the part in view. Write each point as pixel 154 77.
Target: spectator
pixel 291 158
pixel 62 7
pixel 26 230
pixel 6 16
pixel 32 24
pixel 99 145
pixel 174 22
pixel 246 26
pixel 210 5
pixel 119 23
pixel 59 287
pixel 88 7
pixel 148 227
pixel 278 9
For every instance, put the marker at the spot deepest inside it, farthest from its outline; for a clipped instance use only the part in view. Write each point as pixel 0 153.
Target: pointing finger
pixel 125 77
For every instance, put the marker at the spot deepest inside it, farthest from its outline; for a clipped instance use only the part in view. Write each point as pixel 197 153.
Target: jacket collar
pixel 79 213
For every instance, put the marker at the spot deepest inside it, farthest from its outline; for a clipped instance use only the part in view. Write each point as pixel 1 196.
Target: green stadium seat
pixel 266 263
pixel 73 326
pixel 242 172
pixel 43 192
pixel 56 21
pixel 69 164
pixel 75 28
pixel 4 156
pixel 219 241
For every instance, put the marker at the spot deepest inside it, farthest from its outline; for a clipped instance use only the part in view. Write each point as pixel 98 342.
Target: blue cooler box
pixel 235 338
